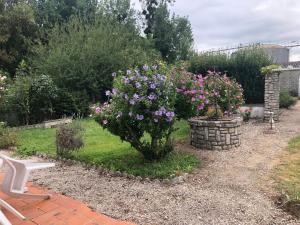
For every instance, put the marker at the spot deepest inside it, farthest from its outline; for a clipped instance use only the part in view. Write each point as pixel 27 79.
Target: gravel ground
pixel 232 187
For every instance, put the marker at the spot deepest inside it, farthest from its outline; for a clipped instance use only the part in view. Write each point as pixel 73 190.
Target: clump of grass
pixel 288 177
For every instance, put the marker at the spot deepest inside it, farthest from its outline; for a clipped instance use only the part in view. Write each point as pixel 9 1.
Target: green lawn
pixel 105 149
pixel 288 172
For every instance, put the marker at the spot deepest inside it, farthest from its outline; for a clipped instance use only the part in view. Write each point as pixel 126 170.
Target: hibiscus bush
pixel 213 95
pixel 140 110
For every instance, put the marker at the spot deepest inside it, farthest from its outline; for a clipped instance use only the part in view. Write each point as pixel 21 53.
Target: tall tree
pixel 18 31
pixel 149 10
pixel 173 37
pixel 183 37
pixel 120 11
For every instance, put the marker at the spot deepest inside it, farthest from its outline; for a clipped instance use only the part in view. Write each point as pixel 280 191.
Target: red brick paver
pixel 59 210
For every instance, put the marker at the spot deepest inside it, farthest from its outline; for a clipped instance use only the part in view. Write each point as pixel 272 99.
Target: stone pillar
pixel 272 91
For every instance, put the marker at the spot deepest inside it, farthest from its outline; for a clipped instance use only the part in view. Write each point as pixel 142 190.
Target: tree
pixel 18 32
pixel 50 12
pixel 183 37
pixel 163 33
pixel 172 36
pixel 149 10
pixel 120 11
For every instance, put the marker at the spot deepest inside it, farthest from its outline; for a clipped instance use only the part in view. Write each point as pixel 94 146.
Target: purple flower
pixel 131 78
pixel 136 96
pixel 152 86
pixel 146 67
pixel 114 74
pixel 107 93
pixel 206 101
pixel 139 117
pixel 131 102
pixel 162 110
pixel 138 85
pixel 154 67
pixel 126 80
pixel 170 114
pixel 104 122
pixel 128 72
pixel 114 91
pixel 158 113
pixel 152 97
pixel 145 78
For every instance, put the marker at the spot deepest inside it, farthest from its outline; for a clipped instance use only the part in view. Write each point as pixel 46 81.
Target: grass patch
pixel 105 149
pixel 288 173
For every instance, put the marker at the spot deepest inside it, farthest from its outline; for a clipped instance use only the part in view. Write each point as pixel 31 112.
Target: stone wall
pixel 289 81
pixel 45 124
pixel 215 135
pixel 272 90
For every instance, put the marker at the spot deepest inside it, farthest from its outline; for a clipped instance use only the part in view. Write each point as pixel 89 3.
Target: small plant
pixel 286 100
pixel 245 114
pixel 69 138
pixel 7 137
pixel 268 69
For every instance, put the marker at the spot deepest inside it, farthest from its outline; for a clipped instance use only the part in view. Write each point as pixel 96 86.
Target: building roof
pixel 271 46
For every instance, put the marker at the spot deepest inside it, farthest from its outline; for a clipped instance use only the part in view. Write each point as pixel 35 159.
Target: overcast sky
pixel 222 23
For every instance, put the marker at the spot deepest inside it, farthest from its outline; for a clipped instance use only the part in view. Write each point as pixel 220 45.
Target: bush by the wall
pixel 244 66
pixel 69 138
pixel 286 100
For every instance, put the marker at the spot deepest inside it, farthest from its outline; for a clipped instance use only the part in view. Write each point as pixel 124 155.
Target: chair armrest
pixel 37 165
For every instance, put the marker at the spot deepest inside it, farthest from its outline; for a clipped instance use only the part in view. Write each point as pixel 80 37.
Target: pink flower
pixel 98 110
pixel 201 107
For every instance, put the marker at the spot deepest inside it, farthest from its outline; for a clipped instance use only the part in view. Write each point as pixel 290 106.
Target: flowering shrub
pixel 223 93
pixel 213 91
pixel 141 102
pixel 183 81
pixel 245 114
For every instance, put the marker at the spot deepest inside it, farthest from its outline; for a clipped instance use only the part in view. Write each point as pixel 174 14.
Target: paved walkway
pixel 59 210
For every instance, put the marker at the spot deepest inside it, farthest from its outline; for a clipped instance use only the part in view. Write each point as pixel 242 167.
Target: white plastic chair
pixel 17 174
pixel 3 219
pixel 14 183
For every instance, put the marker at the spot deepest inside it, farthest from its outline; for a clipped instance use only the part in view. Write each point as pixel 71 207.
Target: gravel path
pixel 230 188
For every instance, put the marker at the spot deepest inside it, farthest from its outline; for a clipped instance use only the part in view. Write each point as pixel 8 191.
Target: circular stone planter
pixel 215 135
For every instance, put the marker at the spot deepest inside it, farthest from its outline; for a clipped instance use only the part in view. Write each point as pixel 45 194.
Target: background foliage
pixel 244 65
